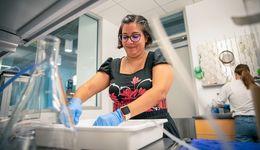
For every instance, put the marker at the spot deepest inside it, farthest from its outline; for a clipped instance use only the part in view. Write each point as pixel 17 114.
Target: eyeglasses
pixel 134 37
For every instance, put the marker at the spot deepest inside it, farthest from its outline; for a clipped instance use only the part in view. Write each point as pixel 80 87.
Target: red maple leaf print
pixel 113 97
pixel 141 91
pixel 134 94
pixel 126 93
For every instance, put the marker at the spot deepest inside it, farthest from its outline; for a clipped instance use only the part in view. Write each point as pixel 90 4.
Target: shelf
pixel 213 85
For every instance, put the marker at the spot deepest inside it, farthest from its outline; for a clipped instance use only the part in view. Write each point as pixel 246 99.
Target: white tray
pixel 133 134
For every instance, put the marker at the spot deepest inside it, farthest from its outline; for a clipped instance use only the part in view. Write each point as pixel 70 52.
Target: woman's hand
pixel 110 119
pixel 75 109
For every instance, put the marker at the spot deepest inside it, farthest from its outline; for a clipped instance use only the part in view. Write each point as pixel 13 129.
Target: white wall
pixel 108 48
pixel 209 20
pixel 180 101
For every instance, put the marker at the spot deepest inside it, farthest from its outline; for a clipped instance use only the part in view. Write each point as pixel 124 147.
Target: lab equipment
pixel 3 122
pixel 11 93
pixel 129 135
pixel 69 90
pixel 44 91
pixel 214 110
pixel 226 108
pixel 221 110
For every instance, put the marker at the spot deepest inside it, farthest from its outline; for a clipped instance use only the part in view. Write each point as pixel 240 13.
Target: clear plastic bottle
pixel 42 100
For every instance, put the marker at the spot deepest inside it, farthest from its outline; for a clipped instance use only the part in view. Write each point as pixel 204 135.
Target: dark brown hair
pixel 140 20
pixel 246 77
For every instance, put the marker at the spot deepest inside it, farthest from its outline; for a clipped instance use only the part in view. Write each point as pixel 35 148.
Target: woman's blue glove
pixel 75 109
pixel 111 119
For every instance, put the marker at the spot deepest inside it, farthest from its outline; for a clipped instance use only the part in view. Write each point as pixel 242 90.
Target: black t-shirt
pixel 125 88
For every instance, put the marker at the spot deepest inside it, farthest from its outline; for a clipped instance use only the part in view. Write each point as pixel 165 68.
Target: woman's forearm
pixel 96 84
pixel 150 98
pixel 84 92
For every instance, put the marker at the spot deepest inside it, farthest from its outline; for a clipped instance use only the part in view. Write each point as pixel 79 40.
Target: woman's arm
pixel 162 81
pixel 91 87
pixel 222 97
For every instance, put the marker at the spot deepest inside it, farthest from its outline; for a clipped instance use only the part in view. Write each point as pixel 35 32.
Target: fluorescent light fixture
pixel 68 46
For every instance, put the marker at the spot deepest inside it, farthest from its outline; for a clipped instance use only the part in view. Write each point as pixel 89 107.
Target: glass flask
pixel 40 104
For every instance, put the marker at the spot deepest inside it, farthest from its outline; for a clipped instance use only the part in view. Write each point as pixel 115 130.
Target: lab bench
pixel 224 121
pixel 163 143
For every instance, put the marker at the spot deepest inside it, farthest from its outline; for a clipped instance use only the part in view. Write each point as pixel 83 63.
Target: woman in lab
pixel 239 96
pixel 138 82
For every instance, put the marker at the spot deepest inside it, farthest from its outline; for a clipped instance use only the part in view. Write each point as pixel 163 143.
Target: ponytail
pixel 246 77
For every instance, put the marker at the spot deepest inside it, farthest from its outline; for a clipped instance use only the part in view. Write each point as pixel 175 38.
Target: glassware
pixel 41 102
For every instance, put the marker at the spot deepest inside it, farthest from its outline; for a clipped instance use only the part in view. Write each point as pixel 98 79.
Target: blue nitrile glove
pixel 111 119
pixel 75 109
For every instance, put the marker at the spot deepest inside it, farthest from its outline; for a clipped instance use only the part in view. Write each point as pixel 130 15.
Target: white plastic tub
pixel 133 134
